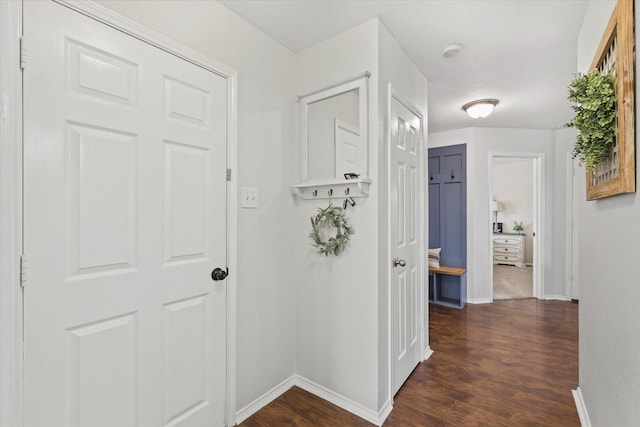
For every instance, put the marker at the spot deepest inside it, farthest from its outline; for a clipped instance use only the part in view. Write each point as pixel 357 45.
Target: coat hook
pixel 315 193
pixel 346 191
pixel 452 175
pixel 330 192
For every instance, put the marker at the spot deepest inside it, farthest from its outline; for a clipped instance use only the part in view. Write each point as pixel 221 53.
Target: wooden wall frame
pixel 616 54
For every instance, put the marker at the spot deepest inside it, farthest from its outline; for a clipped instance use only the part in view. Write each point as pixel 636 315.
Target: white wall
pixel 609 244
pixel 513 187
pixel 343 303
pixel 337 297
pixel 480 142
pixel 266 290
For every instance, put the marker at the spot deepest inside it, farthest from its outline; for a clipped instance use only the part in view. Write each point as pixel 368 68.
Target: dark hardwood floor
pixel 510 363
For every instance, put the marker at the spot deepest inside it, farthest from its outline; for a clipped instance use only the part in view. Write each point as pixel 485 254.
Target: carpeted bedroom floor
pixel 511 282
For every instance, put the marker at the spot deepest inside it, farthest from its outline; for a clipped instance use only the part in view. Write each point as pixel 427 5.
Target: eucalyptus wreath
pixel 331 216
pixel 595 98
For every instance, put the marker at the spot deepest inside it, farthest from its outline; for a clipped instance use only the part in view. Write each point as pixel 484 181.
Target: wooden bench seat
pixel 451 271
pixel 448 286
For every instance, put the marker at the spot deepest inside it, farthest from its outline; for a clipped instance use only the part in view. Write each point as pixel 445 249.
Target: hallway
pixel 510 363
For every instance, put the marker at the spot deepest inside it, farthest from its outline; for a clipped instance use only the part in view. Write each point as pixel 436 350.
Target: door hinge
pixel 23 270
pixel 23 53
pixel 228 174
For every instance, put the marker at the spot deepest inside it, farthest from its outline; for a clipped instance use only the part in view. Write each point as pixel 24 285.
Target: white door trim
pixel 538 218
pixel 571 274
pixel 10 214
pixel 423 326
pixel 11 193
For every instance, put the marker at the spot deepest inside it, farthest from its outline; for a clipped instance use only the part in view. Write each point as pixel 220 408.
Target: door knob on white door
pixel 399 262
pixel 219 274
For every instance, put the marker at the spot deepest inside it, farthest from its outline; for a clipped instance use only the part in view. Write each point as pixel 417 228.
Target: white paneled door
pixel 124 220
pixel 406 238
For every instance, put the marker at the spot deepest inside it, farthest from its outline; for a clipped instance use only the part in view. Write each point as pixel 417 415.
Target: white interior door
pixel 405 151
pixel 124 219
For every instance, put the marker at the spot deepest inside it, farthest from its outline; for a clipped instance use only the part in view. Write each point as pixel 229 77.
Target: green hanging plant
pixel 330 217
pixel 595 97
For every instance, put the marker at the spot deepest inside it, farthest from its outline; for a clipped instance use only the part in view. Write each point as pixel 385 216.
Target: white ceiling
pixel 522 52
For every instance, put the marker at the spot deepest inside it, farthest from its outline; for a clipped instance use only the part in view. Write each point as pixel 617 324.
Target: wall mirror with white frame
pixel 334 132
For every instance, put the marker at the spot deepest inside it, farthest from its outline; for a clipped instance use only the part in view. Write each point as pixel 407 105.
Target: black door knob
pixel 219 274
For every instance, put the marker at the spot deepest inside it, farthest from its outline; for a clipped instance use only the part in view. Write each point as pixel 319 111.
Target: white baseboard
pixel 557 297
pixel 427 353
pixel 384 412
pixel 480 301
pixel 363 412
pixel 490 300
pixel 582 409
pixel 265 399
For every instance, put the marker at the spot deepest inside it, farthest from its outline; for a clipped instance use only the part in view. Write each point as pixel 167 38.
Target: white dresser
pixel 508 249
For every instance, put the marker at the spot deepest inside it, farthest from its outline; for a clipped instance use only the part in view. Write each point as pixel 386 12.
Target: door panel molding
pixel 133 29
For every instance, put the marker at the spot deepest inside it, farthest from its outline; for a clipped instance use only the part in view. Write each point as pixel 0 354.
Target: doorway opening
pixel 516 187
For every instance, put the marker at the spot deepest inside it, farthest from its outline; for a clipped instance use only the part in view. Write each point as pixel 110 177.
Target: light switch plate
pixel 249 198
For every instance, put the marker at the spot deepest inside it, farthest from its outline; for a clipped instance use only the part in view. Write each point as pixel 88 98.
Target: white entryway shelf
pixel 332 188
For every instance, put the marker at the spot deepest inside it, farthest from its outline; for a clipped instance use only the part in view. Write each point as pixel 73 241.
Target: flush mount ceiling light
pixel 480 108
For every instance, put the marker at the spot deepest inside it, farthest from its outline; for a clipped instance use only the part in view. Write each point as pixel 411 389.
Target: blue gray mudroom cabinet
pixel 447 188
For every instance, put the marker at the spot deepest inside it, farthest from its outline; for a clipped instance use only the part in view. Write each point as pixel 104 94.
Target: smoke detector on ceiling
pixel 452 50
